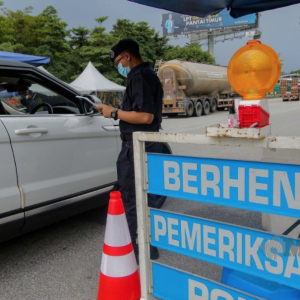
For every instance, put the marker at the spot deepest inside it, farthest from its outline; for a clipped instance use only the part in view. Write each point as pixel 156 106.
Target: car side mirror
pixel 89 105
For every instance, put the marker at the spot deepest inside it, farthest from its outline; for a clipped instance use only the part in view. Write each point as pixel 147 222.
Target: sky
pixel 280 28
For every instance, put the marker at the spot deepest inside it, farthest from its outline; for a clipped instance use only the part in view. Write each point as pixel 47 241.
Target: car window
pixel 21 97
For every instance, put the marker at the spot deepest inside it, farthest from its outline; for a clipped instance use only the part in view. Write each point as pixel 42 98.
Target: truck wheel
pixel 189 109
pixel 198 109
pixel 213 107
pixel 206 108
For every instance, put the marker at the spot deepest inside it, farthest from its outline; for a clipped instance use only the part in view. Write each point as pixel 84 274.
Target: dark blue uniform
pixel 143 94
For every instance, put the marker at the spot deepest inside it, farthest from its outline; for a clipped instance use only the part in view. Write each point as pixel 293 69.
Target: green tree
pixel 79 37
pixel 53 32
pixel 97 51
pixel 46 34
pixel 190 52
pixel 16 27
pixel 9 47
pixel 152 46
pixel 52 41
pixel 295 72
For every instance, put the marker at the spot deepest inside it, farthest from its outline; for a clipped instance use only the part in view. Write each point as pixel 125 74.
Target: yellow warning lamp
pixel 254 70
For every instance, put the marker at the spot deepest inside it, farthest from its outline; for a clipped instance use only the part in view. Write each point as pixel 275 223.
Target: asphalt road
pixel 62 261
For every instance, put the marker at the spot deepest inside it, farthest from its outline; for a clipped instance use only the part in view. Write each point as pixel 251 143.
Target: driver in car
pixel 23 99
pixel 31 103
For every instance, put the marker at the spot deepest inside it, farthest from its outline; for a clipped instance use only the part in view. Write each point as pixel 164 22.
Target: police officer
pixel 141 110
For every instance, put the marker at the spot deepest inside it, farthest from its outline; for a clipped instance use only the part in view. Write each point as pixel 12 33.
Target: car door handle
pixel 109 128
pixel 27 131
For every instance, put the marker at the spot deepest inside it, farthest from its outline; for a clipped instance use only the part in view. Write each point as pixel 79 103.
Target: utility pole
pixel 211 44
pixel 257 36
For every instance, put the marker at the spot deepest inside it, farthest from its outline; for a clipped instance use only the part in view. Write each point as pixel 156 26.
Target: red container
pixel 249 115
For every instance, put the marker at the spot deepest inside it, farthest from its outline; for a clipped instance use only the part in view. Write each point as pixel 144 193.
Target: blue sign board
pixel 254 252
pixel 173 284
pixel 176 24
pixel 264 187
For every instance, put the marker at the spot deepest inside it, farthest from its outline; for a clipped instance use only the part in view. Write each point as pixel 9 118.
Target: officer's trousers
pixel 125 168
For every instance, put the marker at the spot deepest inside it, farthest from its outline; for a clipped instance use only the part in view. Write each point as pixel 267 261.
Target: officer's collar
pixel 137 69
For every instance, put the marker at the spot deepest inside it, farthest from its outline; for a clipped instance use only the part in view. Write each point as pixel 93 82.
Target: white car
pixel 57 160
pixel 58 155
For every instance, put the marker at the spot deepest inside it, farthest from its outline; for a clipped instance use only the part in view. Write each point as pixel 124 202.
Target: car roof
pixel 15 64
pixel 9 63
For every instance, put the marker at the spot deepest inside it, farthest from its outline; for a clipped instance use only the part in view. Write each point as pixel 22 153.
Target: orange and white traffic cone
pixel 119 276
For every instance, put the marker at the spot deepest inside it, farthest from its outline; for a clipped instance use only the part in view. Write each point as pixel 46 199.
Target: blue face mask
pixel 124 71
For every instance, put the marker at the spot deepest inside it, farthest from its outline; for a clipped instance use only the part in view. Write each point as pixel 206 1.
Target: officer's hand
pixel 105 110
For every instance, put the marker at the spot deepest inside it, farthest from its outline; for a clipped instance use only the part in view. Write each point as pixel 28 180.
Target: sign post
pixel 209 30
pixel 265 187
pixel 211 45
pixel 178 24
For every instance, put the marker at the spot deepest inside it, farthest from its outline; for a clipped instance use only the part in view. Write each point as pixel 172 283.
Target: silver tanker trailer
pixel 193 88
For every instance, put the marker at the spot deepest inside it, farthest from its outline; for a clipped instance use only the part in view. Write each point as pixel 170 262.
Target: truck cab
pixel 173 93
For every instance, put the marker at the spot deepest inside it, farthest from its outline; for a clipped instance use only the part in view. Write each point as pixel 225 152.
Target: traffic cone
pixel 119 276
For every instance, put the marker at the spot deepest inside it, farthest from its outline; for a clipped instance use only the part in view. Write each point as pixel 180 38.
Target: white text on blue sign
pixel 173 284
pixel 265 187
pixel 255 252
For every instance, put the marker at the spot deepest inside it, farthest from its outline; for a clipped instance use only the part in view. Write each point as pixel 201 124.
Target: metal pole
pixel 194 38
pixel 258 36
pixel 211 44
pixel 140 170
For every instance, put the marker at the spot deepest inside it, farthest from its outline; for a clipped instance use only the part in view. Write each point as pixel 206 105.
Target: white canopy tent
pixel 91 79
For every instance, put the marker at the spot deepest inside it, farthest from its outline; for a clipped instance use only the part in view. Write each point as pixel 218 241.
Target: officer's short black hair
pixel 125 45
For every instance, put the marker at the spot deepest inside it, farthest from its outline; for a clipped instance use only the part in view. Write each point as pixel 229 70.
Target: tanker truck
pixel 193 89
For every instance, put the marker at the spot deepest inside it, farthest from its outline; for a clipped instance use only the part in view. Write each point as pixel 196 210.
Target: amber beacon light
pixel 254 70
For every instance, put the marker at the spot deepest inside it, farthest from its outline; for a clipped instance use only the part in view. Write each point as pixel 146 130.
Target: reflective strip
pixel 118 266
pixel 117 251
pixel 117 232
